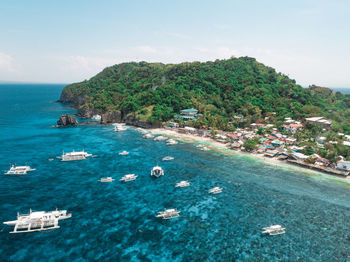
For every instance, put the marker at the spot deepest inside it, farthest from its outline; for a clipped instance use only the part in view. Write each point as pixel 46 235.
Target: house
pixel 188 114
pixel 271 153
pixel 173 124
pixel 321 121
pixel 346 143
pixel 290 141
pixel 292 128
pixel 298 156
pixel 343 165
pixel 321 139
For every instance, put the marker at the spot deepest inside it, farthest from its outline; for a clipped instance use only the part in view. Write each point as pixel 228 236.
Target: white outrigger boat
pixel 19 170
pixel 274 230
pixel 75 155
pixel 168 213
pixel 106 179
pixel 167 158
pixel 182 184
pixel 215 190
pixel 157 171
pixel 128 177
pixel 171 142
pixel 204 148
pixel 37 221
pixel 119 128
pixel 124 153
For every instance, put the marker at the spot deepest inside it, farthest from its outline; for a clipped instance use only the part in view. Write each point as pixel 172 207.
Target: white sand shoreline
pixel 220 147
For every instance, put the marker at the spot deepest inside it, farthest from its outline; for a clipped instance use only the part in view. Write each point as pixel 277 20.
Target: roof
pixel 190 110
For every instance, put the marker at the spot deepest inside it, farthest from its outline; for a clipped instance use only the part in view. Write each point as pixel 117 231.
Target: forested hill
pixel 219 90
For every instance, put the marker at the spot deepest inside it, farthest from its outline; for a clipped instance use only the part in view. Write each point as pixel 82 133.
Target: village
pixel 282 143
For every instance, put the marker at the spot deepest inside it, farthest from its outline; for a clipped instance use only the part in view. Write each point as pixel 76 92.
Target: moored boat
pixel 168 213
pixel 119 128
pixel 215 190
pixel 106 179
pixel 167 158
pixel 75 155
pixel 170 142
pixel 124 153
pixel 19 170
pixel 157 171
pixel 37 221
pixel 274 230
pixel 128 177
pixel 182 184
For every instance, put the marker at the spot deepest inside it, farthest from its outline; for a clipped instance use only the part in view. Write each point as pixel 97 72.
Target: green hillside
pixel 219 90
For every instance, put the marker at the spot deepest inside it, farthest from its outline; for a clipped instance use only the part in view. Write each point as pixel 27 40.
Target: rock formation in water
pixel 67 120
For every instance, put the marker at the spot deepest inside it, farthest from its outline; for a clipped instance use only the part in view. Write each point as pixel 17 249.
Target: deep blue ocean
pixel 116 221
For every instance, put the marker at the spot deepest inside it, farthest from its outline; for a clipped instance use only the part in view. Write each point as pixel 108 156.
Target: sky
pixel 71 40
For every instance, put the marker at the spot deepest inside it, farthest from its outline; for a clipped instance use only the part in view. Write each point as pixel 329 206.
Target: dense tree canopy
pixel 218 89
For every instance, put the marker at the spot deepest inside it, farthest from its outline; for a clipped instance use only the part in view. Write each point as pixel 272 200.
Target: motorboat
pixel 215 190
pixel 167 158
pixel 119 128
pixel 19 170
pixel 106 179
pixel 160 138
pixel 274 230
pixel 75 155
pixel 182 184
pixel 37 221
pixel 170 142
pixel 124 153
pixel 148 136
pixel 128 177
pixel 157 171
pixel 168 213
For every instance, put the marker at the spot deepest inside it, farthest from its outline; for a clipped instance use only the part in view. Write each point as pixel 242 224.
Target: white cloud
pixel 146 49
pixel 6 63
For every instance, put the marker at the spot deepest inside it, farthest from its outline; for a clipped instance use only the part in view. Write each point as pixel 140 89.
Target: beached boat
pixel 168 213
pixel 167 158
pixel 124 153
pixel 73 156
pixel 119 128
pixel 19 170
pixel 148 136
pixel 160 138
pixel 106 179
pixel 171 142
pixel 182 184
pixel 274 230
pixel 37 221
pixel 157 171
pixel 128 177
pixel 204 148
pixel 215 190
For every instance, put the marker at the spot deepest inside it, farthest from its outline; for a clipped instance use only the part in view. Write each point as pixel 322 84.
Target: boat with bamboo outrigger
pixel 157 171
pixel 168 213
pixel 37 221
pixel 19 170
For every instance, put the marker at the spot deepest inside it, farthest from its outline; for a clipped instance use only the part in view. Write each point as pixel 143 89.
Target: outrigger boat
pixel 167 158
pixel 73 156
pixel 124 153
pixel 182 184
pixel 19 170
pixel 106 179
pixel 37 221
pixel 215 190
pixel 274 230
pixel 157 171
pixel 168 213
pixel 128 177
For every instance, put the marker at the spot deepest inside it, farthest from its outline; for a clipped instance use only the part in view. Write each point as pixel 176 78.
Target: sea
pixel 116 221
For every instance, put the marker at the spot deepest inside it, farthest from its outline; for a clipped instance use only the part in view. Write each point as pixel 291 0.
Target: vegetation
pixel 219 90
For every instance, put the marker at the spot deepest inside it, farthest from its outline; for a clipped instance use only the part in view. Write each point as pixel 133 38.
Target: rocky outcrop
pixel 67 120
pixel 86 112
pixel 111 117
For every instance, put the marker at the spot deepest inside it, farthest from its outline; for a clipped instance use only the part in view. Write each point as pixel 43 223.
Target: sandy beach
pixel 220 147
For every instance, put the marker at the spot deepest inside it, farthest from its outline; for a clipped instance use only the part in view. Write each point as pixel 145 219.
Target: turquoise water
pixel 115 221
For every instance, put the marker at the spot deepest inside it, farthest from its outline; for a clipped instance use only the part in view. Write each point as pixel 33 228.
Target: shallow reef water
pixel 116 221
